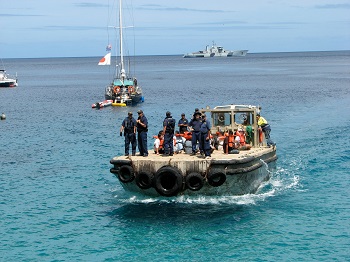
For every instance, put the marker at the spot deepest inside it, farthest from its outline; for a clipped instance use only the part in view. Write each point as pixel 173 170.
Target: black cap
pixel 182 114
pixel 168 113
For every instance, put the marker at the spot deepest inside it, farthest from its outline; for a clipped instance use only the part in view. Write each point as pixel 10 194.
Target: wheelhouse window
pixel 222 119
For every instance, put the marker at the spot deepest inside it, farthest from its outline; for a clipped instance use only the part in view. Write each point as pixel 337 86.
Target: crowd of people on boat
pixel 170 141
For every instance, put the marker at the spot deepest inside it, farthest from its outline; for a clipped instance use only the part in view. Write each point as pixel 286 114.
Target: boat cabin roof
pixel 230 117
pixel 127 82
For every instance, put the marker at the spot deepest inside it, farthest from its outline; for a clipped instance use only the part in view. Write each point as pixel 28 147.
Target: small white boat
pixel 6 81
pixel 216 50
pixel 102 104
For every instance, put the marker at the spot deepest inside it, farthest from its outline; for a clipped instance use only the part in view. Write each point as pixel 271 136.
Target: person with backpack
pixel 168 130
pixel 129 128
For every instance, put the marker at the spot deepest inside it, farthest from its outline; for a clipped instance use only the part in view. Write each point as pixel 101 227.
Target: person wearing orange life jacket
pixel 240 138
pixel 159 144
pixel 230 144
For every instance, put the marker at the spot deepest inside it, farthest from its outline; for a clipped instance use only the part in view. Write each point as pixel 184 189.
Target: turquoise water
pixel 58 201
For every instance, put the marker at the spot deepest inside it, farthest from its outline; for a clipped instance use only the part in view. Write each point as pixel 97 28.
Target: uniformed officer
pixel 195 126
pixel 168 130
pixel 205 136
pixel 129 128
pixel 182 124
pixel 142 128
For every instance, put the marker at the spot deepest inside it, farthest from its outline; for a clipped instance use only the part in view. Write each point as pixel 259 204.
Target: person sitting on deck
pixel 230 145
pixel 179 142
pixel 158 144
pixel 241 138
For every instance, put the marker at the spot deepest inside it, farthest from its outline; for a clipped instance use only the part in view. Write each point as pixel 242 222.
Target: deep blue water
pixel 58 201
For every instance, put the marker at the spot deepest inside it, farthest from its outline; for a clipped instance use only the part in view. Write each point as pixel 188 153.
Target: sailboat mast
pixel 122 70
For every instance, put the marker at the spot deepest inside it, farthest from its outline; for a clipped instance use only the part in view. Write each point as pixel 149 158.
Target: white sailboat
pixel 124 89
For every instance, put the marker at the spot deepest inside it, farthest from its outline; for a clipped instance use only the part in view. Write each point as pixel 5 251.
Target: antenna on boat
pixel 122 70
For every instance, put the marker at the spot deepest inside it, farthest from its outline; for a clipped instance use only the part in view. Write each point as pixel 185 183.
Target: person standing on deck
pixel 195 125
pixel 204 140
pixel 168 131
pixel 129 128
pixel 142 129
pixel 183 124
pixel 265 127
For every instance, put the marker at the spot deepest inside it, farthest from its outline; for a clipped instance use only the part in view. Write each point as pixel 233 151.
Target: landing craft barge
pixel 222 174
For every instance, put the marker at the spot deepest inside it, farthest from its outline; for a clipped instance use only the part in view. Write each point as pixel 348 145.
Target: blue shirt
pixel 205 126
pixel 128 124
pixel 144 121
pixel 183 122
pixel 196 124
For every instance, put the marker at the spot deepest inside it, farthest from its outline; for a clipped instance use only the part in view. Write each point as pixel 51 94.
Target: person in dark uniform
pixel 168 130
pixel 204 140
pixel 183 124
pixel 142 128
pixel 196 111
pixel 129 128
pixel 195 125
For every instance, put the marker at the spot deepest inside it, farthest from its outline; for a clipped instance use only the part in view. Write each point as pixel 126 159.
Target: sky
pixel 82 28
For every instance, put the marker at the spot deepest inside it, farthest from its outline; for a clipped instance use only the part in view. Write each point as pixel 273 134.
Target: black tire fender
pixel 126 174
pixel 168 181
pixel 216 179
pixel 194 181
pixel 144 180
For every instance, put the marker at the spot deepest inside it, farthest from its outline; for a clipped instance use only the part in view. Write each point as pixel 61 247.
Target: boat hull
pixel 8 83
pixel 124 95
pixel 217 54
pixel 235 174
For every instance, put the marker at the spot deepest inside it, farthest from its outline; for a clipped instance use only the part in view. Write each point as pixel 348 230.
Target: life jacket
pixel 241 138
pixel 161 142
pixel 231 141
pixel 261 138
pixel 187 135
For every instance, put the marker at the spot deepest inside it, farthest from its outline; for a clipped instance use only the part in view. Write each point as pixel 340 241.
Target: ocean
pixel 59 202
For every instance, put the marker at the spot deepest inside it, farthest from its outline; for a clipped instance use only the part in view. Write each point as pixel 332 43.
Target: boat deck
pixel 182 157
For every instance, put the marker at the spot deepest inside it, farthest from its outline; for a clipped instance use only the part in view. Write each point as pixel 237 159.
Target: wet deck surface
pixel 182 157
